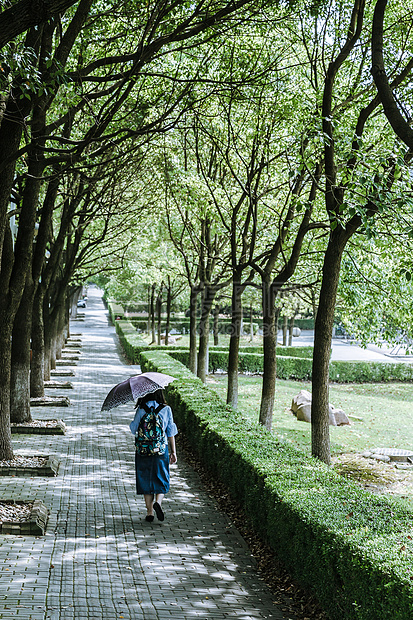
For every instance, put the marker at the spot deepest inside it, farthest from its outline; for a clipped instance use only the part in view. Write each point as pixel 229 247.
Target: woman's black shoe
pixel 159 512
pixel 149 518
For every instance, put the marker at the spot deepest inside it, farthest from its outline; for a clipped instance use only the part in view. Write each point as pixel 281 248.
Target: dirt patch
pixel 375 476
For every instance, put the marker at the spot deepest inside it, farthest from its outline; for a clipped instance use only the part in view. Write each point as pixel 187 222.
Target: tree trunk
pixel 66 317
pixel 233 356
pixel 37 367
pixel 9 305
pixel 55 326
pixel 277 320
pixel 320 432
pixel 192 330
pixel 149 311
pixel 24 14
pixel 64 323
pixel 6 449
pixel 20 358
pixel 168 311
pixel 216 326
pixel 71 308
pixel 290 332
pixel 203 350
pixel 314 303
pixel 51 341
pixel 16 265
pixel 69 315
pixel 60 328
pixel 391 106
pixel 285 331
pixel 10 137
pixel 153 314
pixel 251 324
pixel 49 355
pixel 270 359
pixel 159 317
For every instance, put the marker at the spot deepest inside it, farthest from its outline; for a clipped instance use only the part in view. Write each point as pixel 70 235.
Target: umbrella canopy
pixel 135 387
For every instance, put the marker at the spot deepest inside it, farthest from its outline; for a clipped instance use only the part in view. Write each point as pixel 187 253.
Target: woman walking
pixel 154 430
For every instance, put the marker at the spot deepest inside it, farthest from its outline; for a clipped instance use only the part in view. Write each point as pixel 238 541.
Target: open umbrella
pixel 135 387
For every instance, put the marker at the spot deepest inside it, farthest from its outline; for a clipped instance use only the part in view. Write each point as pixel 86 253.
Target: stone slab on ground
pixel 65 385
pixel 62 372
pixel 65 362
pixel 40 427
pixel 50 401
pixel 50 468
pixel 34 525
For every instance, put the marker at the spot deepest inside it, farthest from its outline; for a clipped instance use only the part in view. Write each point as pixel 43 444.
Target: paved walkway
pixel 349 350
pixel 99 558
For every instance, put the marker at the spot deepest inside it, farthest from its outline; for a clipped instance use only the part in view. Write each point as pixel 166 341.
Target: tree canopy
pixel 215 146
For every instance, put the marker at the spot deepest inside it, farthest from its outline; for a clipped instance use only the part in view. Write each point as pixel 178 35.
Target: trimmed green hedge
pixel 288 366
pixel 304 351
pixel 370 372
pixel 131 342
pixel 304 323
pixel 301 369
pixel 224 325
pixel 352 548
pixel 115 310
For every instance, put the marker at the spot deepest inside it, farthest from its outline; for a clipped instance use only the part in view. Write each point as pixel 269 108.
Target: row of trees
pixel 85 87
pixel 272 181
pixel 250 134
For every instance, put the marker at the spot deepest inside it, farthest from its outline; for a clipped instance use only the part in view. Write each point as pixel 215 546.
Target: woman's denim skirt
pixel 152 474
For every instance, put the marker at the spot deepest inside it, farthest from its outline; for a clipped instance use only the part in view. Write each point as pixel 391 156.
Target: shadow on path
pixel 99 558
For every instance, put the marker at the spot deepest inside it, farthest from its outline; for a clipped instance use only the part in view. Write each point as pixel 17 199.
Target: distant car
pixel 81 303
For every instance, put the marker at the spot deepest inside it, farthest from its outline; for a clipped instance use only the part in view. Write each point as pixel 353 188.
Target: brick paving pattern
pixel 99 558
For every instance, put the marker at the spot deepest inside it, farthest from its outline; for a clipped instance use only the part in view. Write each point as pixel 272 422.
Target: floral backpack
pixel 150 439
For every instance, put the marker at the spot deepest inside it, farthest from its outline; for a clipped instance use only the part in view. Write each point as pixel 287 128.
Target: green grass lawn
pixel 383 412
pixel 381 415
